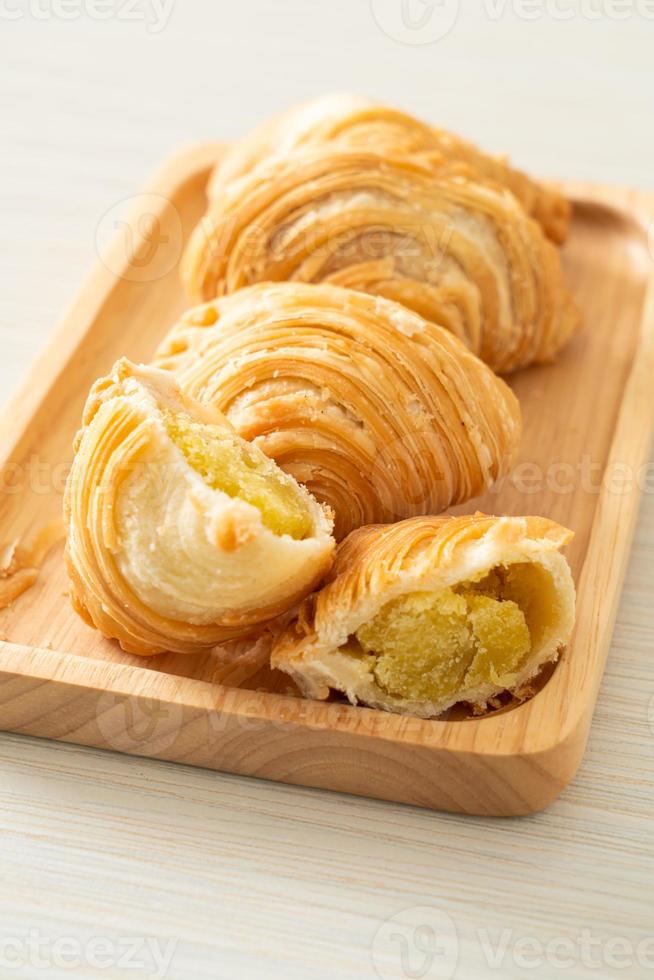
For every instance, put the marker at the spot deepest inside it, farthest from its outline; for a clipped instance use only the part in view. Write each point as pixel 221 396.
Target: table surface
pixel 125 867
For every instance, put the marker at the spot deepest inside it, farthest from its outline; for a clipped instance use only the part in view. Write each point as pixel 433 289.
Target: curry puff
pixel 349 121
pixel 380 413
pixel 180 534
pixel 434 611
pixel 457 251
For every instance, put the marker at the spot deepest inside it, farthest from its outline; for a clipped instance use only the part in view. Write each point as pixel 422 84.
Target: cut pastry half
pixel 350 121
pixel 430 612
pixel 379 413
pixel 459 252
pixel 180 534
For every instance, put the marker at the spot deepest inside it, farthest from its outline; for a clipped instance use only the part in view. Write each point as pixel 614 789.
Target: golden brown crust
pixel 459 252
pixel 381 414
pixel 145 550
pixel 349 122
pixel 376 564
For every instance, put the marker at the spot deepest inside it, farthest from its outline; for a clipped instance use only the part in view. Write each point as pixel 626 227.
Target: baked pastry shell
pixel 375 565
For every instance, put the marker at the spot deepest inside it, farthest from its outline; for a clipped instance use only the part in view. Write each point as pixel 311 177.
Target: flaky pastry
pixel 459 252
pixel 349 121
pixel 379 413
pixel 424 614
pixel 180 534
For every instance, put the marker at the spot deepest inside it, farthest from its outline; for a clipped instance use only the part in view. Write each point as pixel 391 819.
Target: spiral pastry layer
pixel 378 412
pixel 351 122
pixel 457 251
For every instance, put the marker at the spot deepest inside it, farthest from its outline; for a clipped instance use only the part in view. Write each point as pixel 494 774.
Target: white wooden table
pixel 113 867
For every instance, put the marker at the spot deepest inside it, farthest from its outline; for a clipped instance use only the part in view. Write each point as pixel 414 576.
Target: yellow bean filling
pixel 240 470
pixel 429 645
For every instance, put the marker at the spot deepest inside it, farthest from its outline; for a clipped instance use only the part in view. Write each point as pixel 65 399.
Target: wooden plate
pixel 588 421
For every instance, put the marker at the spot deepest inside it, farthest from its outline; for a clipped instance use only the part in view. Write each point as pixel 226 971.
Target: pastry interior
pixel 427 645
pixel 227 463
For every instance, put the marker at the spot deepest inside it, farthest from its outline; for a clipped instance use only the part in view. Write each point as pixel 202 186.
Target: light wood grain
pixel 61 680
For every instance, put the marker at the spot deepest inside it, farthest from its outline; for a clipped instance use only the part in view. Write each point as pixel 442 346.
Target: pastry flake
pixel 457 251
pixel 21 561
pixel 430 612
pixel 342 121
pixel 180 534
pixel 379 413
